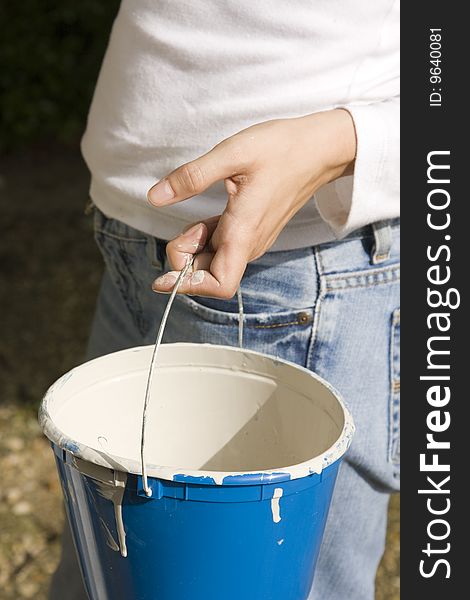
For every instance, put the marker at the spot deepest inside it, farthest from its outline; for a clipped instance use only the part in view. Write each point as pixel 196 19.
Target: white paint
pixel 275 504
pixel 111 485
pixel 197 277
pixel 110 541
pixel 167 279
pixel 280 542
pixel 215 411
pixel 115 493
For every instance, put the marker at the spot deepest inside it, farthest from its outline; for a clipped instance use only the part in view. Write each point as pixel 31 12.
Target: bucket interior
pixel 211 409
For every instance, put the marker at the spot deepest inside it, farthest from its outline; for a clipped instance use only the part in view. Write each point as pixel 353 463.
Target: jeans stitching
pixel 115 257
pixel 359 279
pixel 361 272
pixel 212 315
pixel 384 256
pixel 394 402
pixel 318 303
pixel 120 237
pixel 282 324
pixel 153 254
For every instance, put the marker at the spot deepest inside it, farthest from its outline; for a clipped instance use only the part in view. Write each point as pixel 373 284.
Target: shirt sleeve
pixel 373 192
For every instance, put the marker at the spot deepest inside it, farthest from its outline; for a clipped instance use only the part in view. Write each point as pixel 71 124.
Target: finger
pixel 227 267
pixel 196 176
pixel 190 242
pixel 199 282
pixel 233 240
pixel 217 275
pixel 218 279
pixel 180 250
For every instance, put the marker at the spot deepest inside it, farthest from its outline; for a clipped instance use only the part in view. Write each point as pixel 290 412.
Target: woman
pixel 299 102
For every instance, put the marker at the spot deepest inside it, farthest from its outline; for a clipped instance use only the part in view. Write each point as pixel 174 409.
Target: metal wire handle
pixel 156 347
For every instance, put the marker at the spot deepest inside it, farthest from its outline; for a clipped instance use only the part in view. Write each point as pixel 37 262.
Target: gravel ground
pixel 50 270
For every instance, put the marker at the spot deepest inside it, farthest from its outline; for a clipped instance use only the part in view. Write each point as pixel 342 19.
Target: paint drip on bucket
pixel 115 493
pixel 111 488
pixel 276 505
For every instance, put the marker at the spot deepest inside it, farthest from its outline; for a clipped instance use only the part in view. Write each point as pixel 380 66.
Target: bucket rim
pixel 315 465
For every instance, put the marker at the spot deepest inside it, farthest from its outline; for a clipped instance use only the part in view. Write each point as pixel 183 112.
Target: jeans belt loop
pixel 382 242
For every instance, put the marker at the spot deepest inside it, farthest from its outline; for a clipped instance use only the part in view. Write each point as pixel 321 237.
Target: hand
pixel 270 171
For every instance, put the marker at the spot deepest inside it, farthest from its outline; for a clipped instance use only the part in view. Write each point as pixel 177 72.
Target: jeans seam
pixel 394 391
pixel 386 275
pixel 318 302
pixel 153 254
pixel 121 238
pixel 361 272
pixel 282 324
pixel 117 276
pixel 252 320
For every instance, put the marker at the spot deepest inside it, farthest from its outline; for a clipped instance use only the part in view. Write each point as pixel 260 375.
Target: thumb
pixel 194 177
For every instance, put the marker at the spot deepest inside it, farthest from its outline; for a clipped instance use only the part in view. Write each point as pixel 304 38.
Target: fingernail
pixel 193 230
pixel 197 277
pixel 195 245
pixel 161 192
pixel 166 280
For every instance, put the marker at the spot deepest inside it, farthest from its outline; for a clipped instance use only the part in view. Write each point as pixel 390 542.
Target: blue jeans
pixel 327 308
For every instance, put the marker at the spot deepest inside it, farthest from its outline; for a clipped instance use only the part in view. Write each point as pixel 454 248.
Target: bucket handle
pixel 156 347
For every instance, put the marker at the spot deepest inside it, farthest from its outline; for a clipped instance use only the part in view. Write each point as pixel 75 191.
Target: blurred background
pixel 50 270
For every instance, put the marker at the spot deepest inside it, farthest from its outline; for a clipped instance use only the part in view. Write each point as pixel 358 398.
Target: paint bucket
pixel 243 453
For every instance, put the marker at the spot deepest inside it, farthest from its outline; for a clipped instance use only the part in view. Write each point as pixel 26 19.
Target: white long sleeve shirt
pixel 179 76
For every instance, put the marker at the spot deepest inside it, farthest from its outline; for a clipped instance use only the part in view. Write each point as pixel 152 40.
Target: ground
pixel 50 271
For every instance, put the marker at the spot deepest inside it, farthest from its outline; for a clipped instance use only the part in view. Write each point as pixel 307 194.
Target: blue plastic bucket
pixel 243 454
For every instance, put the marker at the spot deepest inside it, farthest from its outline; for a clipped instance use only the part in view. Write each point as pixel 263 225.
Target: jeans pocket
pixel 253 320
pixel 285 334
pixel 279 293
pixel 394 406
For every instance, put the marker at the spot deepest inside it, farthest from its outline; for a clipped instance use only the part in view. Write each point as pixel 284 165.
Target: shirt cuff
pixel 372 193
